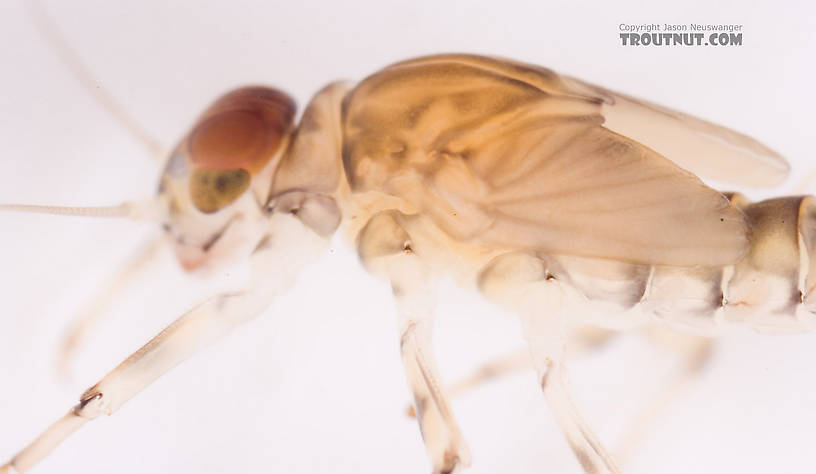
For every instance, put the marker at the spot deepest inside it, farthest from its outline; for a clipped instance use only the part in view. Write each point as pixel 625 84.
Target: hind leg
pixel 695 353
pixel 580 341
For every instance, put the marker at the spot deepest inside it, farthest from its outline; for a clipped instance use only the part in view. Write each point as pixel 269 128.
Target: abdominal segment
pixel 770 289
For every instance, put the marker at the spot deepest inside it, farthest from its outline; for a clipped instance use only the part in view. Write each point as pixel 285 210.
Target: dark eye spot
pixel 212 190
pixel 221 183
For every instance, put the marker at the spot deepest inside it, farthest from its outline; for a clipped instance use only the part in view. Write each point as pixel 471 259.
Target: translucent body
pixel 509 177
pixel 486 157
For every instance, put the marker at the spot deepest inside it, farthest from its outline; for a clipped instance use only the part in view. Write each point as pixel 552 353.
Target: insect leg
pixel 84 322
pixel 274 268
pixel 191 332
pixel 581 341
pixel 528 285
pixel 499 367
pixel 385 248
pixel 695 353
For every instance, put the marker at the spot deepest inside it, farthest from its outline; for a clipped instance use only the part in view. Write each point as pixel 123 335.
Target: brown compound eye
pixel 234 139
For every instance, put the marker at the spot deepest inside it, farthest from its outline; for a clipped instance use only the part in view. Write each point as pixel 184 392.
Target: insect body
pixel 545 193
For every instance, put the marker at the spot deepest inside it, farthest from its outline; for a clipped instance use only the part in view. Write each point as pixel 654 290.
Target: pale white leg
pixel 695 353
pixel 485 373
pixel 581 341
pixel 525 283
pixel 544 332
pixel 443 440
pixel 585 339
pixel 87 319
pixel 188 334
pixel 274 269
pixel 385 249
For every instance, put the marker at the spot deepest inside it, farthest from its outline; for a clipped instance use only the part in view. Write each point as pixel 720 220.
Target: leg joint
pixel 91 405
pixel 382 236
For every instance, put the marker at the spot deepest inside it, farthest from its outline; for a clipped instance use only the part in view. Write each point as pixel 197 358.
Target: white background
pixel 315 386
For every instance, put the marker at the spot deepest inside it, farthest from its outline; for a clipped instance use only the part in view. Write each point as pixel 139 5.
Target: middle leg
pixel 581 340
pixel 525 283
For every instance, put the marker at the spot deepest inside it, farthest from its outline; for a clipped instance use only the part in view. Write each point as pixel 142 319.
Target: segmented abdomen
pixel 771 288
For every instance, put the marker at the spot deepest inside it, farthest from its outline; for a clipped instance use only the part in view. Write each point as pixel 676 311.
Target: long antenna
pixel 152 209
pixel 121 210
pixel 49 30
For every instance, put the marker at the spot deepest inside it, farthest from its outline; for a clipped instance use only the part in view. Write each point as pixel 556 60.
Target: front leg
pixel 385 248
pixel 187 335
pixel 274 267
